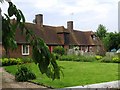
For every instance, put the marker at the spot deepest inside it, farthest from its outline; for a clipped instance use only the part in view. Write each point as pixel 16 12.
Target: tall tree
pixel 101 31
pixel 112 41
pixel 41 55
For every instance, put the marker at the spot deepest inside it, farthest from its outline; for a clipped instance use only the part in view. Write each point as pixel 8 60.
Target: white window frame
pixel 26 52
pixel 94 37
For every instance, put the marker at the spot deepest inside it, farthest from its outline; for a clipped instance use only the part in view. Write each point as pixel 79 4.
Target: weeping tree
pixel 40 52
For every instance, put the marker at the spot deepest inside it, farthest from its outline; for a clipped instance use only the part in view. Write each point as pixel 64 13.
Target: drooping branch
pixel 41 54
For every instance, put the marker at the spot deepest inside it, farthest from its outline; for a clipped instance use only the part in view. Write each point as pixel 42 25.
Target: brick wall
pixel 18 52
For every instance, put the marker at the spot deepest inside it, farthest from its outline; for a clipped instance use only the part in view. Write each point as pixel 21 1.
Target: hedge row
pixel 106 59
pixel 14 61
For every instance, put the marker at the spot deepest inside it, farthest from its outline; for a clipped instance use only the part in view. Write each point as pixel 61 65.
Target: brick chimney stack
pixel 70 25
pixel 39 19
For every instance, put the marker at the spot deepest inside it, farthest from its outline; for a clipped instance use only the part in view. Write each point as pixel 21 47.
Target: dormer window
pixel 93 37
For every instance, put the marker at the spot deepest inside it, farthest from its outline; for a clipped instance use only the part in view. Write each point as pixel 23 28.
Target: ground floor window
pixel 25 49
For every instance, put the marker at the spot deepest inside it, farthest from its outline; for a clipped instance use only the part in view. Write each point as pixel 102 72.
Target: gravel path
pixel 8 81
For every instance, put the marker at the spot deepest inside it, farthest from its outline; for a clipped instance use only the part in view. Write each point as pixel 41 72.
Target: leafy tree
pixel 41 55
pixel 111 41
pixel 101 31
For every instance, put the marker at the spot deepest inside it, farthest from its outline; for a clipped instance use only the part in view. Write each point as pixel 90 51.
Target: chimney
pixel 70 25
pixel 39 19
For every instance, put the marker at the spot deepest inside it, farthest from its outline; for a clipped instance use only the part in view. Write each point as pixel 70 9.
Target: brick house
pixel 57 36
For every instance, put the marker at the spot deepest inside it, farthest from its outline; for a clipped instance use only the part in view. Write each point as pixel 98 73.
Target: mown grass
pixel 76 73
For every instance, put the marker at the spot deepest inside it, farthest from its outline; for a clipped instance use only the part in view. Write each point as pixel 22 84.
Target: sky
pixel 86 14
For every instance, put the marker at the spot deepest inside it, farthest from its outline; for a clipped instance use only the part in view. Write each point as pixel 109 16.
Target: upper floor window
pixel 25 49
pixel 93 37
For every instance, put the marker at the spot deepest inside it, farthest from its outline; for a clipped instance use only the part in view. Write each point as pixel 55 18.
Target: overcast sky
pixel 86 14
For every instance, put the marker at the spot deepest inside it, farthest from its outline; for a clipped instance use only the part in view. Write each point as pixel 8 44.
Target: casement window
pixel 25 49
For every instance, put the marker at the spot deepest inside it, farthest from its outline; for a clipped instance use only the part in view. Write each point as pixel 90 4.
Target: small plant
pixel 59 50
pixel 98 57
pixel 24 74
pixel 116 59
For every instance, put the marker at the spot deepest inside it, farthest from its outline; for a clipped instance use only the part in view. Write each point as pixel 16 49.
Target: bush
pixel 10 61
pixel 59 50
pixel 98 57
pixel 26 60
pixel 89 59
pixel 106 59
pixel 116 59
pixel 77 58
pixel 14 61
pixel 24 74
pixel 57 56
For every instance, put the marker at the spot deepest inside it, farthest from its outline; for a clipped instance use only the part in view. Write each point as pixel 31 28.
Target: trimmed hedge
pixel 10 61
pixel 14 61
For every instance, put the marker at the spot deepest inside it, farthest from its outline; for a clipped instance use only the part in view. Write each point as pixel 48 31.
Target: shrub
pixel 5 62
pixel 10 61
pixel 26 60
pixel 106 59
pixel 116 59
pixel 59 50
pixel 77 58
pixel 89 59
pixel 15 61
pixel 57 56
pixel 24 74
pixel 98 57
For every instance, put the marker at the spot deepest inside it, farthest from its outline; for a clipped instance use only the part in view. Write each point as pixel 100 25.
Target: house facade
pixel 56 36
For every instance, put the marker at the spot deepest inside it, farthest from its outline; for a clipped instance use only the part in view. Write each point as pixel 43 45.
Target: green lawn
pixel 76 73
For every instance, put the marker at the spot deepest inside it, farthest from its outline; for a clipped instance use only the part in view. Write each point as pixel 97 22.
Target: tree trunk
pixel 7 53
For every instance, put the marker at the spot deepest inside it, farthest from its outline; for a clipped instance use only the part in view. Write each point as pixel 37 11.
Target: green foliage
pixel 106 59
pixel 26 60
pixel 77 58
pixel 59 50
pixel 9 29
pixel 116 59
pixel 101 31
pixel 98 57
pixel 45 60
pixel 111 41
pixel 57 56
pixel 24 74
pixel 10 61
pixel 41 55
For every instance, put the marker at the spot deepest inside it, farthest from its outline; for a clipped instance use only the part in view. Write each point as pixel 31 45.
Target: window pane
pixel 26 49
pixel 23 48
